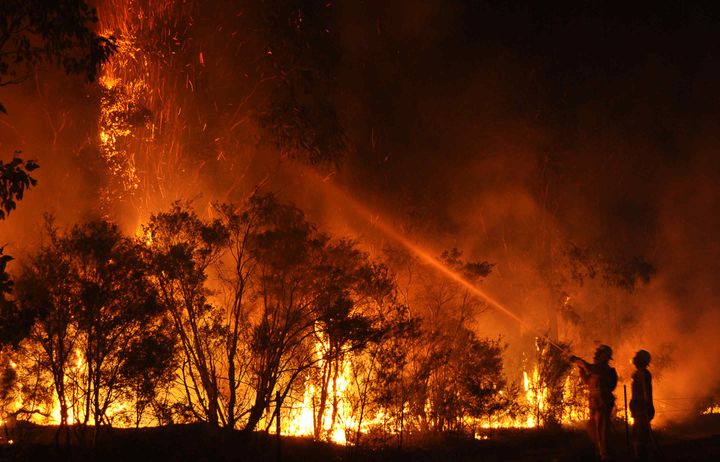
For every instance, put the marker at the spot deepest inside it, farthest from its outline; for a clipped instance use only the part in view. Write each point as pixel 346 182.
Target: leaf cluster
pixel 470 270
pixel 60 32
pixel 625 272
pixel 15 179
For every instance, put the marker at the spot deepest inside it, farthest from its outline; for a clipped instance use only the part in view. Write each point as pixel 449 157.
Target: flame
pixel 714 409
pixel 302 416
pixel 108 81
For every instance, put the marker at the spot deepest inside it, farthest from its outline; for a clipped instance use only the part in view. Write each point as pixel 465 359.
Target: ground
pixel 697 442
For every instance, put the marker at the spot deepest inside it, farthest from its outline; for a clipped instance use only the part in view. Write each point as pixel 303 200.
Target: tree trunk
pixel 333 417
pixel 232 397
pixel 258 408
pixel 324 384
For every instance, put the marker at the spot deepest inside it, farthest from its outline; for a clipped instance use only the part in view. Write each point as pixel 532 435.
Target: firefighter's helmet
pixel 605 351
pixel 642 358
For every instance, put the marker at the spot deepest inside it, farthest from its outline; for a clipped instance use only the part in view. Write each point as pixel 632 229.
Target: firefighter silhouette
pixel 641 406
pixel 601 380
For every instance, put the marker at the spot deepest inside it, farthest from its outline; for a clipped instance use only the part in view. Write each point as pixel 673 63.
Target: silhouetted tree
pixel 353 293
pixel 15 179
pixel 149 368
pixel 113 304
pixel 286 247
pixel 443 373
pixel 44 293
pixel 89 299
pixel 182 248
pixel 60 32
pixel 382 376
pixel 234 274
pixel 464 378
pixel 310 294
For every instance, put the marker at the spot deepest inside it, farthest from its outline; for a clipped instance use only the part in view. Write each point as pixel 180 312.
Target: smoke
pixel 51 118
pixel 512 134
pixel 505 131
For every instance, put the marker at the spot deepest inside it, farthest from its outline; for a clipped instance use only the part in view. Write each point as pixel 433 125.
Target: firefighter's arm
pixel 581 363
pixel 583 366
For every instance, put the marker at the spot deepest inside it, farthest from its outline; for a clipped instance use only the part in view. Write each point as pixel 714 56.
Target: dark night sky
pixel 568 69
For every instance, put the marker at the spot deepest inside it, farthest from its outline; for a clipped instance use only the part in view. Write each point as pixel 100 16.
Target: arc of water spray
pixel 373 219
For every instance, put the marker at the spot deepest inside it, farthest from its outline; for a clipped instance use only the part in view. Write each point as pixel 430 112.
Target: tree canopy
pixel 60 32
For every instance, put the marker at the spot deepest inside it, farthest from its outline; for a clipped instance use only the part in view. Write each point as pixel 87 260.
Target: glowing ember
pixel 141 115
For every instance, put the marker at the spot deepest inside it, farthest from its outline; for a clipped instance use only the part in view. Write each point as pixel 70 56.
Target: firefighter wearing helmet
pixel 601 380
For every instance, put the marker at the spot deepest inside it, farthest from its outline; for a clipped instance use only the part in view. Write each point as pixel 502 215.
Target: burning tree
pixel 465 382
pixel 547 386
pixel 311 291
pixel 43 294
pixel 181 249
pixel 436 373
pixel 88 298
pixel 258 297
pixel 378 383
pixel 355 292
